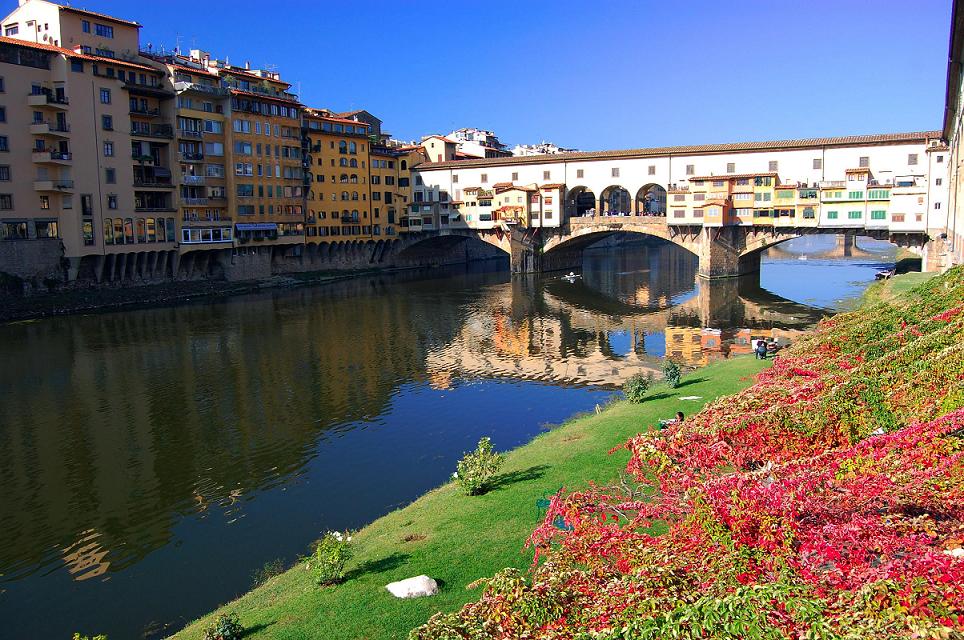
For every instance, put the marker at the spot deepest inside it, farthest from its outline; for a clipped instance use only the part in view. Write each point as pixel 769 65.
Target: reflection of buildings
pixel 698 347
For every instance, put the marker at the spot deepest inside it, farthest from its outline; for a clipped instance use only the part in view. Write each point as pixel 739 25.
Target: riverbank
pixel 458 539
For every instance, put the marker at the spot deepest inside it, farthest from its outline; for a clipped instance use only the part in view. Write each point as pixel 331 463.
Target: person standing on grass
pixel 761 350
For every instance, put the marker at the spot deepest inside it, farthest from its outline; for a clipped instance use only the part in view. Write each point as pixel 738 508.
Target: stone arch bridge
pixel 722 251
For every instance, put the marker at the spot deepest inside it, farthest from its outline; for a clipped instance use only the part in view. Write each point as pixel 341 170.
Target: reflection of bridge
pixel 845 247
pixel 565 332
pixel 722 251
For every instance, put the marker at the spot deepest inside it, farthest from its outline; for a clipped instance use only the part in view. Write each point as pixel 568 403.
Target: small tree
pixel 671 372
pixel 476 469
pixel 636 387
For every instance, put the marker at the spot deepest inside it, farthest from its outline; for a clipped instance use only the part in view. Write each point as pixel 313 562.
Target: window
pixel 110 176
pixel 11 30
pixel 105 96
pixel 731 167
pixel 831 215
pixel 6 201
pixel 515 176
pixel 937 205
pixel 546 174
pixel 911 158
pixel 773 165
pixel 108 149
pixel 615 172
pixel 103 30
pixel 3 114
pixel 855 195
pixel 864 161
pixel 5 173
pixel 484 178
pixel 77 66
pixel 817 163
pixel 878 215
pixel 107 123
pixel 938 182
pixel 44 202
pixel 112 201
pixel 579 173
pixel 940 159
pixel 85 25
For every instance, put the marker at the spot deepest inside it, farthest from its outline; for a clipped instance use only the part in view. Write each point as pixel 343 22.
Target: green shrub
pixel 636 387
pixel 77 636
pixel 226 627
pixel 671 372
pixel 330 557
pixel 476 469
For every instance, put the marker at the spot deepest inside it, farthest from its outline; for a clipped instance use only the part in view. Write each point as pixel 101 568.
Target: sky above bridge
pixel 590 75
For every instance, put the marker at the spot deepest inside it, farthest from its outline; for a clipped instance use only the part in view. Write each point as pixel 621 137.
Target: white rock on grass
pixel 413 587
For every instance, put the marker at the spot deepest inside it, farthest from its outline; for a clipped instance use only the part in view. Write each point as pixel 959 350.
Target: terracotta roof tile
pixel 74 54
pixel 556 185
pixel 769 145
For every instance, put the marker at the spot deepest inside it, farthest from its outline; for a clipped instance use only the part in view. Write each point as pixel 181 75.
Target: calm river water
pixel 152 460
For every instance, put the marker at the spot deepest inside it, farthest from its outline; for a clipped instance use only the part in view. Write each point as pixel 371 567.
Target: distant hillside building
pixel 479 143
pixel 541 149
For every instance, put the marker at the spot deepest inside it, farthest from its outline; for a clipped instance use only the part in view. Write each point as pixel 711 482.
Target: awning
pixel 257 226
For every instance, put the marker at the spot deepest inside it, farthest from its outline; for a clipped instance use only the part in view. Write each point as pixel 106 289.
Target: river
pixel 154 459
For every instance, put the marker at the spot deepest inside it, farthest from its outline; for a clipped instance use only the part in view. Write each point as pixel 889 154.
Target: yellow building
pixel 265 177
pixel 391 186
pixel 339 207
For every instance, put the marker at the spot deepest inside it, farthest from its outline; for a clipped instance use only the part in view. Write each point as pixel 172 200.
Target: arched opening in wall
pixel 452 249
pixel 651 200
pixel 615 201
pixel 580 202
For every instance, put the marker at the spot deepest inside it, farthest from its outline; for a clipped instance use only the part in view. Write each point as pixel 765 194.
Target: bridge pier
pixel 720 252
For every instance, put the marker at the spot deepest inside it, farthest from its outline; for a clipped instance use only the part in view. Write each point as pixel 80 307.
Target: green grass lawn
pixel 457 539
pixel 889 289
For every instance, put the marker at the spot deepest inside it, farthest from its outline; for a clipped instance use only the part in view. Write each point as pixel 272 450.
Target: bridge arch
pixel 651 200
pixel 581 235
pixel 615 200
pixel 580 201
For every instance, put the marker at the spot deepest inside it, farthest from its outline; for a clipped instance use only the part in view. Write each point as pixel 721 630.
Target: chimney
pixel 247 65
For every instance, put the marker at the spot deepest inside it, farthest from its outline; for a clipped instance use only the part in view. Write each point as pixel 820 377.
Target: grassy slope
pixel 465 538
pixel 887 290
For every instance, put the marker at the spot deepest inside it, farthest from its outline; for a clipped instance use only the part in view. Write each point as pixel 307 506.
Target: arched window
pixel 342 147
pixel 354 195
pixel 354 178
pixel 353 163
pixel 343 162
pixel 343 178
pixel 344 195
pixel 404 165
pixel 352 148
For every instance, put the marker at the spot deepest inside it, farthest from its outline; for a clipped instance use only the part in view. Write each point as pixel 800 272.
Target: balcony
pixel 53 185
pixel 156 131
pixel 152 184
pixel 220 92
pixel 189 133
pixel 194 202
pixel 48 99
pixel 147 161
pixel 192 180
pixel 192 156
pixel 150 90
pixel 48 129
pixel 145 112
pixel 833 184
pixel 140 209
pixel 51 157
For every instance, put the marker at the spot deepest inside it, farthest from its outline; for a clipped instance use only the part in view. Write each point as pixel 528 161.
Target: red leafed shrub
pixel 825 501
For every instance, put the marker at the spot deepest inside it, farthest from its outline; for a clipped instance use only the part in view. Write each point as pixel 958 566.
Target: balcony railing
pixel 146 182
pixel 833 184
pixel 192 156
pixel 189 133
pixel 53 185
pixel 47 99
pixel 195 180
pixel 153 209
pixel 194 201
pixel 51 156
pixel 49 128
pixel 157 131
pixel 148 113
pixel 202 88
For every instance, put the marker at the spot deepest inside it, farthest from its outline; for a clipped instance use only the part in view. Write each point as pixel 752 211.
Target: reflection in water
pixel 153 459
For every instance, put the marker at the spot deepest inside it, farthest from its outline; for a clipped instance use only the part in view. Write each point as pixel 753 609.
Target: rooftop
pixel 100 16
pixel 768 145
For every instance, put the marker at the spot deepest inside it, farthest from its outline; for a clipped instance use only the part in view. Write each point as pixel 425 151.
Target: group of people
pixel 762 348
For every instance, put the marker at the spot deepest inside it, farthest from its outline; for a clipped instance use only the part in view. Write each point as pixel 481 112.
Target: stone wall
pixel 31 266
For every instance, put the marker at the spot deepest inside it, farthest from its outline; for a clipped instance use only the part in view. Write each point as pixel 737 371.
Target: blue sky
pixel 591 75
